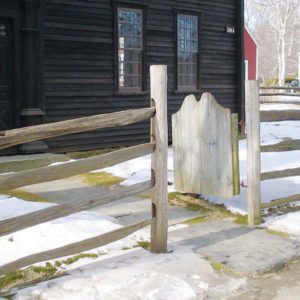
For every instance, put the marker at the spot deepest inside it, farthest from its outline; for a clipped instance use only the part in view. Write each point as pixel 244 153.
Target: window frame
pixel 129 90
pixel 198 14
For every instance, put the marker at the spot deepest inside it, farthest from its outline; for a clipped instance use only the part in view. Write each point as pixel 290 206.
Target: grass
pixel 144 244
pixel 49 270
pixel 26 275
pixel 101 179
pixel 11 278
pixel 58 263
pixel 196 221
pixel 222 268
pixel 75 258
pixel 278 233
pixel 91 153
pixel 241 219
pixel 217 266
pixel 208 211
pixel 145 195
pixel 24 195
pixel 32 273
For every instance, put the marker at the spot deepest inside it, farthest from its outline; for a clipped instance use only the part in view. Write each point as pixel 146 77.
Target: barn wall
pixel 250 55
pixel 79 63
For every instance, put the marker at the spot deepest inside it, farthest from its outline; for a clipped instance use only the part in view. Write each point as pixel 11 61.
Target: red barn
pixel 251 56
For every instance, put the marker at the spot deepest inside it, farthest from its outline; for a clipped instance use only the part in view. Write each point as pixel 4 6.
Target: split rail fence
pixel 271 94
pixel 254 176
pixel 157 147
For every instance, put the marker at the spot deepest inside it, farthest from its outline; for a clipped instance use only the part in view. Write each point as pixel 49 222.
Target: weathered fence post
pixel 159 136
pixel 253 152
pixel 299 66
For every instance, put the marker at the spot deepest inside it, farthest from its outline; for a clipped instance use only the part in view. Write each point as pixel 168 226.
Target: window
pixel 187 52
pixel 130 49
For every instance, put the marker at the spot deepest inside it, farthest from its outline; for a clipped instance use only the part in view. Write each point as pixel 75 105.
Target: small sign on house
pixel 205 143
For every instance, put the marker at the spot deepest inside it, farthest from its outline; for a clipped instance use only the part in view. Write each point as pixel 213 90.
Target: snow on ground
pixel 45 236
pixel 116 273
pixel 275 132
pixel 289 223
pixel 137 274
pixel 12 207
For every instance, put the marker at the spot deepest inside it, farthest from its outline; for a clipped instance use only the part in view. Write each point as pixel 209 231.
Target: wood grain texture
pixel 279 115
pixel 78 62
pixel 278 88
pixel 74 248
pixel 278 95
pixel 33 133
pixel 253 153
pixel 45 174
pixel 265 101
pixel 286 145
pixel 79 71
pixel 281 201
pixel 58 211
pixel 280 174
pixel 202 143
pixel 159 162
pixel 235 153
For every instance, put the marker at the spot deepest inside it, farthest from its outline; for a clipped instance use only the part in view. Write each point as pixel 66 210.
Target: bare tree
pixel 278 18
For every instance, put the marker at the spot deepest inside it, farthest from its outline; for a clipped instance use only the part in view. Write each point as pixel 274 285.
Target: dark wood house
pixel 62 59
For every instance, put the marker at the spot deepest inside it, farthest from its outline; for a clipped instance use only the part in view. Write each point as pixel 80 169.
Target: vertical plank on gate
pixel 253 152
pixel 159 135
pixel 235 153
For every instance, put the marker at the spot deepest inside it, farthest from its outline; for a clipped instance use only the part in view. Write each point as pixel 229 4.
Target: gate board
pixel 203 148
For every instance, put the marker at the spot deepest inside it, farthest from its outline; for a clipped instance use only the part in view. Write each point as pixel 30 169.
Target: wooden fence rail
pixel 269 92
pixel 279 115
pixel 45 174
pixel 279 94
pixel 58 211
pixel 278 88
pixel 280 174
pixel 254 175
pixel 14 137
pixel 158 183
pixel 281 201
pixel 74 248
pixel 287 145
pixel 294 102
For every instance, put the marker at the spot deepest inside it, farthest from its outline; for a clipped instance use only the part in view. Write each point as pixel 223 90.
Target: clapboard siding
pixel 79 63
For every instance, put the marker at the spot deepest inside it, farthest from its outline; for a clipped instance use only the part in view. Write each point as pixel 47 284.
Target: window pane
pixel 187 51
pixel 130 37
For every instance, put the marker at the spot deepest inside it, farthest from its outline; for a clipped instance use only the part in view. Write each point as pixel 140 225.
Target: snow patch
pixel 57 233
pixel 289 223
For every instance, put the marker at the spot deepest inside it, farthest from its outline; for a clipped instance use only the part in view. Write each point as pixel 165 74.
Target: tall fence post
pixel 159 168
pixel 253 152
pixel 299 67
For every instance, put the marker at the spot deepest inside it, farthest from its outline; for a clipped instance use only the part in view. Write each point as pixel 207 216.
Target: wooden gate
pixel 205 144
